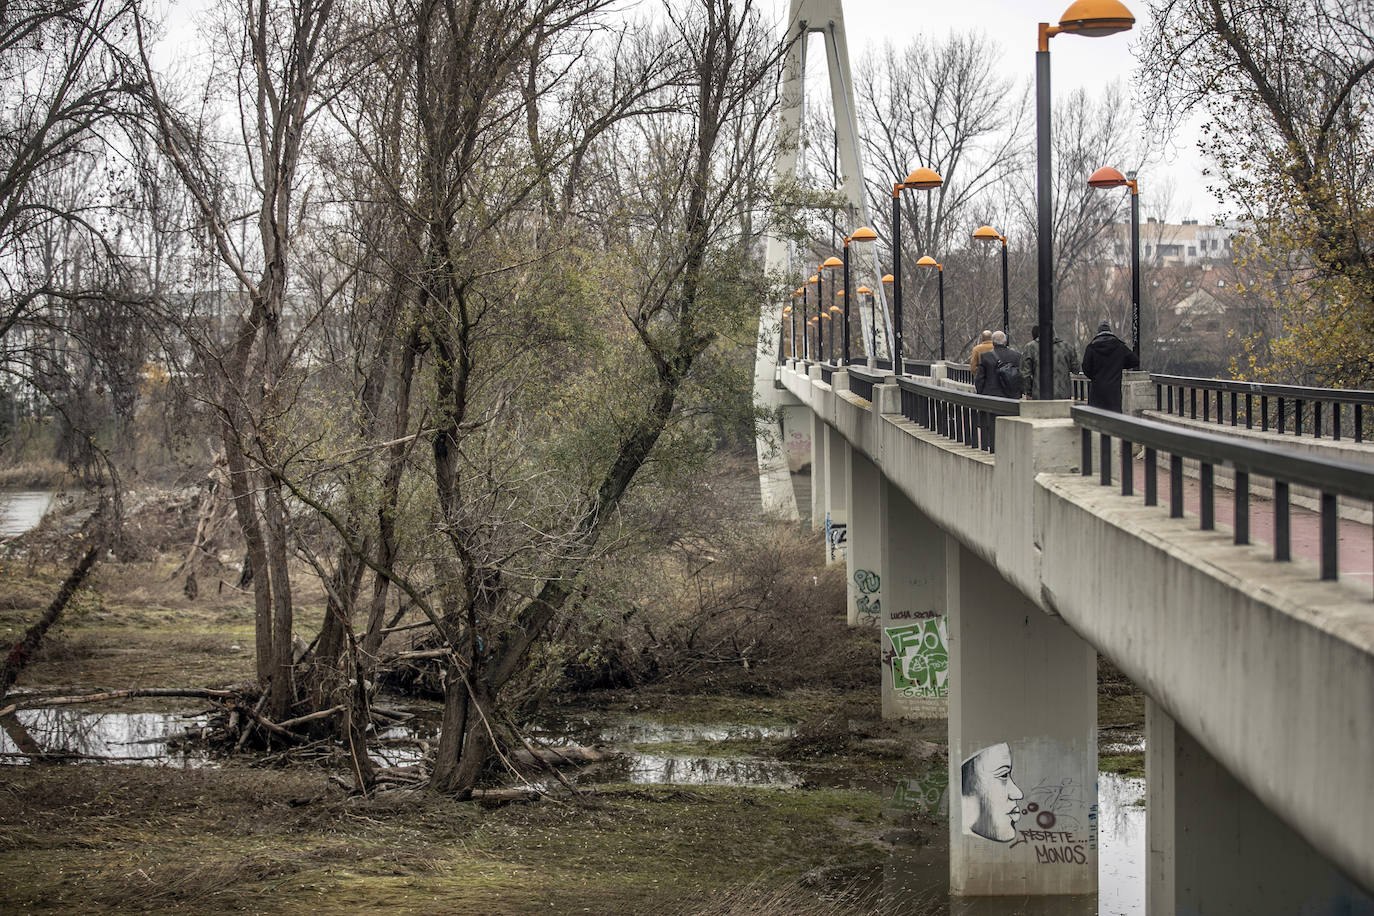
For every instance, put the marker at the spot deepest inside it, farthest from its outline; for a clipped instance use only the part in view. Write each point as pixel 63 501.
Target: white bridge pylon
pixel 781 260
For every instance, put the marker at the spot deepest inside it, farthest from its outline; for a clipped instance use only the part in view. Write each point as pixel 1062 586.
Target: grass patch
pixel 1132 765
pixel 241 839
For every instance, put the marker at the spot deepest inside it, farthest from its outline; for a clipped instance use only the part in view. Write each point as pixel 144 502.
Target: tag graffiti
pixel 920 658
pixel 869 584
pixel 836 538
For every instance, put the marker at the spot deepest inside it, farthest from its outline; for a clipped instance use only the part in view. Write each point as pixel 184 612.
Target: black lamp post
pixel 989 234
pixel 1091 18
pixel 1108 177
pixel 920 179
pixel 829 263
pixel 928 261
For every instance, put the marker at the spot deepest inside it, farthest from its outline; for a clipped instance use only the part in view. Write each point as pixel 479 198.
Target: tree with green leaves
pixel 1285 87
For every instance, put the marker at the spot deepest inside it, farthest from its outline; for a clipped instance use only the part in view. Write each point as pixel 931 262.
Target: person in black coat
pixel 987 380
pixel 1104 359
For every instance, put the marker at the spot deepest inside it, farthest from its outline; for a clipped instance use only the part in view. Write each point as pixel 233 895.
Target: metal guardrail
pixel 957 373
pixel 917 367
pixel 1286 467
pixel 1322 408
pixel 861 382
pixel 1078 387
pixel 966 418
pixel 827 373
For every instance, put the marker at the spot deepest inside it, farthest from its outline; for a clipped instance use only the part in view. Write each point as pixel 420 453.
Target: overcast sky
pixel 1076 62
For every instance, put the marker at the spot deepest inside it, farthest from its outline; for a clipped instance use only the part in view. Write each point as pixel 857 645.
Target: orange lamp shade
pixel 987 234
pixel 923 179
pixel 836 309
pixel 864 234
pixel 1095 18
pixel 812 279
pixel 832 261
pixel 799 291
pixel 1106 177
pixel 927 261
pixel 887 278
pixel 840 293
pixel 864 290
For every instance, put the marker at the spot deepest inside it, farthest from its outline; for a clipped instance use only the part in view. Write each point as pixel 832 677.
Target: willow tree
pixel 1285 88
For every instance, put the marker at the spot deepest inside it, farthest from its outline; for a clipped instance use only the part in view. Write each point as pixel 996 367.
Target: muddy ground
pixel 241 836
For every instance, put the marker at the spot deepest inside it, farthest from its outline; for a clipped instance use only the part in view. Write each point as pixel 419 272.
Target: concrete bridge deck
pixel 1260 674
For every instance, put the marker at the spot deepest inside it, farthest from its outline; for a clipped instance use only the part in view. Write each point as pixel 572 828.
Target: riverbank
pixel 784 781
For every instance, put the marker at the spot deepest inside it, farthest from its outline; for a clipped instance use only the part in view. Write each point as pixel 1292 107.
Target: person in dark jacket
pixel 1065 364
pixel 987 380
pixel 1104 359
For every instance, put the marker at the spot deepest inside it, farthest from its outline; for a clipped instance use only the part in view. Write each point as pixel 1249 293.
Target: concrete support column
pixel 1022 739
pixel 836 496
pixel 819 479
pixel 867 534
pixel 914 638
pixel 1215 849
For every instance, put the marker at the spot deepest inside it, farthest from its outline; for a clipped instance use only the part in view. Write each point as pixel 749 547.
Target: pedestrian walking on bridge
pixel 1104 359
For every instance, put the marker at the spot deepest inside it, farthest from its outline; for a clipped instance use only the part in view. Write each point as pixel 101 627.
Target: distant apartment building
pixel 1172 245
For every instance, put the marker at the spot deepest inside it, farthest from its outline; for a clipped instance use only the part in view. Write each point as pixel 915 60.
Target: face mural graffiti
pixel 920 657
pixel 989 795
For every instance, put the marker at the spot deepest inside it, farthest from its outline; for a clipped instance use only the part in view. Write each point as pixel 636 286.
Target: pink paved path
pixel 1355 540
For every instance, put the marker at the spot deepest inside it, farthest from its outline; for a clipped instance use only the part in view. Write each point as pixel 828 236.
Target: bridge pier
pixel 867 533
pixel 836 487
pixel 1216 849
pixel 1022 740
pixel 819 452
pixel 915 628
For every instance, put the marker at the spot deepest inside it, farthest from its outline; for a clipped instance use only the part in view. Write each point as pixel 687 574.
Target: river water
pixel 20 510
pixel 652 752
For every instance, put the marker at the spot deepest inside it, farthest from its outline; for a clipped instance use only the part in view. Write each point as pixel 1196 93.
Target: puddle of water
pixel 117 737
pixel 20 510
pixel 1121 845
pixel 652 769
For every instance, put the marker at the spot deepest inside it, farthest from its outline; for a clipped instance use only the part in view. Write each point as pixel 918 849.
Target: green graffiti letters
pixel 920 658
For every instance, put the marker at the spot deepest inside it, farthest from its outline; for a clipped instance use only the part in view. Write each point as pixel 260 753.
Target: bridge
pixel 999 546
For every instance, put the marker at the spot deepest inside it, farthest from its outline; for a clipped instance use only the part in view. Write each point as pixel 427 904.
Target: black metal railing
pixel 827 372
pixel 1078 387
pixel 1285 467
pixel 920 368
pixel 1318 412
pixel 969 419
pixel 957 373
pixel 861 382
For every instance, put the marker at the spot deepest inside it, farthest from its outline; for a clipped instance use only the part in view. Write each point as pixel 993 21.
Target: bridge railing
pixel 969 419
pixel 827 373
pixel 1285 467
pixel 958 372
pixel 1321 410
pixel 861 382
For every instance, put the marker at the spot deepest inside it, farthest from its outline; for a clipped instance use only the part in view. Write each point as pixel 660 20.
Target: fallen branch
pixel 313 717
pixel 200 693
pixel 24 650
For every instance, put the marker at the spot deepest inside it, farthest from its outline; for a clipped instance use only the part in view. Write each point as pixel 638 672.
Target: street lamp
pixel 800 291
pixel 811 281
pixel 920 179
pixel 887 329
pixel 829 262
pixel 1093 19
pixel 1108 177
pixel 989 234
pixel 862 234
pixel 872 326
pixel 928 261
pixel 836 315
